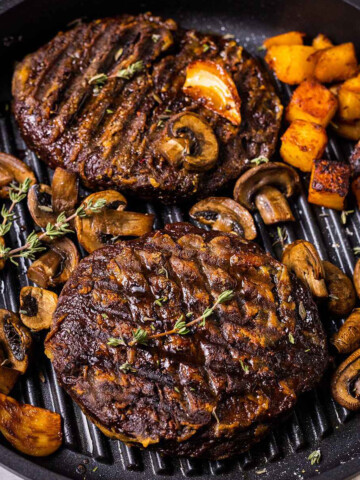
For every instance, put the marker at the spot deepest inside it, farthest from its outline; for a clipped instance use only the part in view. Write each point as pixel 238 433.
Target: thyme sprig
pixel 181 327
pixel 17 193
pixel 128 72
pixel 58 229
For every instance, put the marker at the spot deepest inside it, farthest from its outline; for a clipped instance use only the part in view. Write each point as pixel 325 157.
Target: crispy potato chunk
pixel 329 184
pixel 349 99
pixel 288 38
pixel 31 430
pixel 302 143
pixel 292 63
pixel 321 41
pixel 336 63
pixel 8 378
pixel 349 130
pixel 313 102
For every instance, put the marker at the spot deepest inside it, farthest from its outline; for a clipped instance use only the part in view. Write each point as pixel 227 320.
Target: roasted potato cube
pixel 32 430
pixel 349 99
pixel 329 184
pixel 349 130
pixel 302 143
pixel 313 102
pixel 336 63
pixel 291 63
pixel 288 38
pixel 321 41
pixel 355 187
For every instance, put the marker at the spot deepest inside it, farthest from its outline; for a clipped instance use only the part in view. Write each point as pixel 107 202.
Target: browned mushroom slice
pixel 209 83
pixel 100 229
pixel 40 205
pixel 266 187
pixel 189 140
pixel 8 376
pixel 347 339
pixel 342 295
pixel 2 261
pixel 356 278
pixel 13 170
pixel 37 306
pixel 15 341
pixel 64 188
pixel 56 265
pixel 302 258
pixel 345 385
pixel 226 215
pixel 31 430
pixel 114 200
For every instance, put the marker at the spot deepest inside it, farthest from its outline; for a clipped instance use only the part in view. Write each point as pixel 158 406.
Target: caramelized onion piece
pixel 31 430
pixel 345 385
pixel 302 258
pixel 347 339
pixel 37 306
pixel 212 85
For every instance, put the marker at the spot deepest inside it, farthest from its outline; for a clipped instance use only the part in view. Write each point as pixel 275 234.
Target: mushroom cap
pixel 347 338
pixel 15 340
pixel 342 296
pixel 189 139
pixel 302 258
pixel 64 189
pixel 12 169
pixel 37 306
pixel 40 205
pixel 345 386
pixel 224 214
pixel 274 173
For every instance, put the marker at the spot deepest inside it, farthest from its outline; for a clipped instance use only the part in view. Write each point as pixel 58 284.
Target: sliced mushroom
pixel 37 306
pixel 31 430
pixel 15 341
pixel 56 265
pixel 347 339
pixel 189 140
pixel 40 205
pixel 64 188
pixel 209 83
pixel 345 385
pixel 13 170
pixel 342 295
pixel 2 261
pixel 356 278
pixel 302 258
pixel 226 215
pixel 256 188
pixel 96 230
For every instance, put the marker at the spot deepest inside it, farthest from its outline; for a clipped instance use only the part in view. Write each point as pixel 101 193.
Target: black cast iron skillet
pixel 317 421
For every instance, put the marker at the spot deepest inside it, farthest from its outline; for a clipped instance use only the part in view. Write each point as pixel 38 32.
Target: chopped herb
pixel 104 316
pixel 289 298
pixel 302 311
pixel 243 366
pixel 176 389
pixel 95 469
pixel 323 215
pixel 140 336
pixel 45 208
pixel 108 110
pixel 128 72
pixel 334 297
pixel 118 54
pixel 23 312
pixel 206 47
pixel 215 416
pixel 307 350
pixel 260 472
pixel 315 457
pixel 155 37
pixel 228 36
pixel 259 160
pixel 344 215
pixel 356 250
pixel 261 48
pixel 189 314
pixel 127 368
pixel 159 301
pixel 192 389
pixel 156 97
pixel 163 271
pixel 115 342
pixel 291 338
pixel 152 326
pixel 160 123
pixel 98 79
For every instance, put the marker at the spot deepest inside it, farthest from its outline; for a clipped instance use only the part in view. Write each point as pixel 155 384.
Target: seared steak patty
pixel 73 112
pixel 212 392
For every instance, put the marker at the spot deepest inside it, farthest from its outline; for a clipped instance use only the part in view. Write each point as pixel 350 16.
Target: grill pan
pixel 317 422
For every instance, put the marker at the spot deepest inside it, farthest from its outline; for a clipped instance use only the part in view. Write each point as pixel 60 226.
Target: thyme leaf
pixel 315 457
pixel 115 342
pixel 259 160
pixel 127 368
pixel 128 72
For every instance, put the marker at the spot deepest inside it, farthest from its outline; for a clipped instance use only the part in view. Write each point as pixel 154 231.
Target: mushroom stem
pixel 273 206
pixel 345 382
pixel 45 268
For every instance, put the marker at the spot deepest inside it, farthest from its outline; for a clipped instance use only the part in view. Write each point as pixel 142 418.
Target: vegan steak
pixel 138 104
pixel 210 390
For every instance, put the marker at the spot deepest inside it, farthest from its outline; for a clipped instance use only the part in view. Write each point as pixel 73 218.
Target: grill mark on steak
pixel 66 124
pixel 177 383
